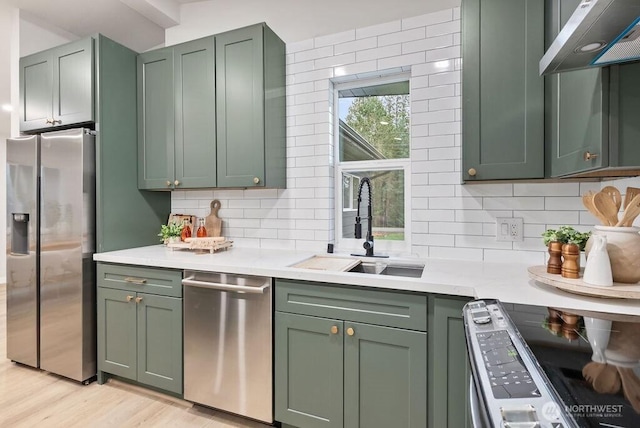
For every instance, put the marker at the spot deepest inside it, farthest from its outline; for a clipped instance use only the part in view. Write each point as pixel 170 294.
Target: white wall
pixel 449 220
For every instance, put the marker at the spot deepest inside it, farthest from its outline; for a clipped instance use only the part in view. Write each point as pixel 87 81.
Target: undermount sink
pixel 391 269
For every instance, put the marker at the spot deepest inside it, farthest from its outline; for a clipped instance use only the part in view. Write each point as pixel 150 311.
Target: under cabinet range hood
pixel 599 33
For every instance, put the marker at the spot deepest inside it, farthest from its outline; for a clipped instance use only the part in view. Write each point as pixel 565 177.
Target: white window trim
pixel 381 247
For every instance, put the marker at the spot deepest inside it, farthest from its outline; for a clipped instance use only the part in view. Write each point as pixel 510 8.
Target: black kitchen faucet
pixel 368 243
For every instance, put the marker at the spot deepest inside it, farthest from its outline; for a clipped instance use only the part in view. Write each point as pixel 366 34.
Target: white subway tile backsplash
pixel 299 67
pixel 303 45
pixel 402 36
pixel 456 203
pixel 544 189
pixel 444 103
pixel 376 53
pixel 445 128
pixel 480 216
pixel 494 189
pixel 514 203
pixel 355 46
pixel 434 240
pixel 313 54
pixel 400 60
pixel 351 69
pixel 260 233
pixel 481 242
pixel 334 61
pixel 427 44
pixel 450 27
pixel 450 77
pixel 377 30
pixel 444 153
pixel 442 54
pixel 433 92
pixel 563 203
pixel 549 217
pixel 432 117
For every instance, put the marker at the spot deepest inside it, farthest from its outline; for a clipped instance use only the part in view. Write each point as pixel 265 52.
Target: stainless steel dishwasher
pixel 228 343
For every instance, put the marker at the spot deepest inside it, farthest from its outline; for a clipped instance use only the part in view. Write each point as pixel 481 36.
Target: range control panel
pixel 511 388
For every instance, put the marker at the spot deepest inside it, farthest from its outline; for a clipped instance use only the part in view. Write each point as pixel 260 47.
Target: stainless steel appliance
pixel 547 367
pixel 228 343
pixel 50 245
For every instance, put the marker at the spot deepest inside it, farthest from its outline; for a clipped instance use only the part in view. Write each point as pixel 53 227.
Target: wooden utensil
pixel 608 380
pixel 630 212
pixel 607 208
pixel 587 200
pixel 212 223
pixel 630 386
pixel 614 194
pixel 631 193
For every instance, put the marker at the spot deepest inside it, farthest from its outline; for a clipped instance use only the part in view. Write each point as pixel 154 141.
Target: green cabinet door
pixel 448 365
pixel 116 317
pixel 73 77
pixel 36 89
pixel 385 377
pixel 502 93
pixel 159 325
pixel 155 120
pixel 308 371
pixel 240 107
pixel 195 133
pixel 577 108
pixel 625 105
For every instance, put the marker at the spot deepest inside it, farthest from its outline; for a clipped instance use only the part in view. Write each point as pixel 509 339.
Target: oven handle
pixel 190 281
pixel 474 406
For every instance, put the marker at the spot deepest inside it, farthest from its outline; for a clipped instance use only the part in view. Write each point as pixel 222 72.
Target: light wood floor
pixel 33 398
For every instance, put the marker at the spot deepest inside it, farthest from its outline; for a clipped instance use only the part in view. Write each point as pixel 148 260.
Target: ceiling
pixel 141 24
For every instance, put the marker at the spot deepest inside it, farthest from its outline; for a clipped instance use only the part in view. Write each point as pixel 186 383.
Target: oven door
pixel 478 412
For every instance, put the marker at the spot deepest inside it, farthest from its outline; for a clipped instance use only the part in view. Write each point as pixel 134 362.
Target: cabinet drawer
pixel 393 309
pixel 141 279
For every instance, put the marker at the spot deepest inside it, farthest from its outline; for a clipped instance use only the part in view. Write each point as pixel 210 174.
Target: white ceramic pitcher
pixel 598 268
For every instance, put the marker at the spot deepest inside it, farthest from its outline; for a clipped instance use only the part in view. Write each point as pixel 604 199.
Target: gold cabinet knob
pixel 129 298
pixel 177 183
pixel 256 180
pixel 334 329
pixel 589 156
pixel 138 299
pixel 472 172
pixel 50 121
pixel 351 331
pixel 168 183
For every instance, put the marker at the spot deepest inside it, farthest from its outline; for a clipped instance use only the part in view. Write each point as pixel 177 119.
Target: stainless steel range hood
pixel 600 32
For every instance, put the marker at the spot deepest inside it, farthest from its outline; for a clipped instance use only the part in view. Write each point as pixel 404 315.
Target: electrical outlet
pixel 509 229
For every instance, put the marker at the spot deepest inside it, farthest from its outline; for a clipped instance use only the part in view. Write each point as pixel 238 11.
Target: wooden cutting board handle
pixel 212 222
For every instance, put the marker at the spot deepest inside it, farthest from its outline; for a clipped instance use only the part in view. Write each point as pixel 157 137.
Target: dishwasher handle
pixel 190 281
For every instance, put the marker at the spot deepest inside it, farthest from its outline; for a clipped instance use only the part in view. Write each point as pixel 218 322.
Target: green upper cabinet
pixel 195 129
pixel 502 93
pixel 57 86
pixel 250 110
pixel 176 117
pixel 155 120
pixel 624 110
pixel 577 105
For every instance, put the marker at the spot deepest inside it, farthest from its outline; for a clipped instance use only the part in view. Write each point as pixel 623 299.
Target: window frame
pixel 386 247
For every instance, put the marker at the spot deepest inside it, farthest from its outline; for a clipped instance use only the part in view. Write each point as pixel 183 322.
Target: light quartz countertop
pixel 507 282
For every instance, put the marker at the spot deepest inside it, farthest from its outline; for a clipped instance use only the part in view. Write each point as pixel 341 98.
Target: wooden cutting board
pixel 212 222
pixel 328 263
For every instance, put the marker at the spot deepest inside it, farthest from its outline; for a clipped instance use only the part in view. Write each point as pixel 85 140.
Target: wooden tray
pixel 202 244
pixel 578 286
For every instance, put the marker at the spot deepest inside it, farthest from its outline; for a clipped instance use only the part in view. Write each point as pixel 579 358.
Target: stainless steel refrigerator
pixel 51 320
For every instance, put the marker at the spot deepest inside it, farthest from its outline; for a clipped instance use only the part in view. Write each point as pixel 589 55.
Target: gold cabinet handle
pixel 54 121
pixel 351 331
pixel 256 180
pixel 138 299
pixel 589 156
pixel 133 280
pixel 472 172
pixel 177 183
pixel 49 121
pixel 168 183
pixel 334 329
pixel 129 298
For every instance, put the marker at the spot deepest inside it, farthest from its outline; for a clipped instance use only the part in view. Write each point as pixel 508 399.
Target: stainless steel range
pixel 549 367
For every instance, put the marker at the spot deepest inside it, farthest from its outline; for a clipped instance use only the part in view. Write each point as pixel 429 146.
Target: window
pixel 373 136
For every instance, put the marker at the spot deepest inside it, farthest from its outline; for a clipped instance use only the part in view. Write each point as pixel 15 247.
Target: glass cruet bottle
pixel 186 230
pixel 202 231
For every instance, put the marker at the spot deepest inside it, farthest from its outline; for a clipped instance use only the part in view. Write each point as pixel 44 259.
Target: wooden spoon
pixel 592 370
pixel 607 381
pixel 587 200
pixel 607 208
pixel 614 194
pixel 630 386
pixel 631 193
pixel 630 212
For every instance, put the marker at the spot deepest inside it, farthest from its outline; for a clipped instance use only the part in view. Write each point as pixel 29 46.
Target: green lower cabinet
pixel 116 332
pixel 333 373
pixel 448 365
pixel 308 371
pixel 385 377
pixel 160 342
pixel 140 338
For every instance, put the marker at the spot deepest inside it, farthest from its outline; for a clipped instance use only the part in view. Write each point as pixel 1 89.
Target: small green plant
pixel 170 230
pixel 566 235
